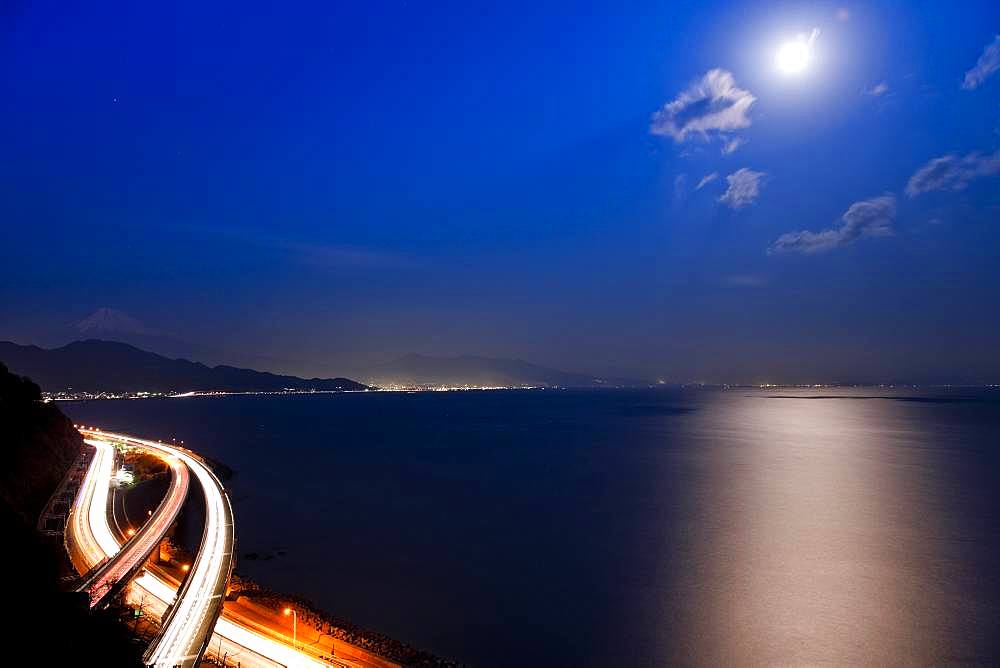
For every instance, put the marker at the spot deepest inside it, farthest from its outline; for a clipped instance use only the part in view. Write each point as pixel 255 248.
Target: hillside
pixel 39 446
pixel 109 366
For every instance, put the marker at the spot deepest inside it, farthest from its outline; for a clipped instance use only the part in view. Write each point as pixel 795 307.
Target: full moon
pixel 793 57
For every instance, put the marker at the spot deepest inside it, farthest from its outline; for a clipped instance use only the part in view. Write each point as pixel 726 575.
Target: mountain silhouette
pixel 110 366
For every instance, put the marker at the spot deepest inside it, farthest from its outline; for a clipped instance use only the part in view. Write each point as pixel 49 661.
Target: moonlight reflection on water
pixel 621 528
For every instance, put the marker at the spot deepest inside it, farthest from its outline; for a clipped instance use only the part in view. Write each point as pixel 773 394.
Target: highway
pixel 106 579
pixel 86 543
pixel 187 628
pixel 90 540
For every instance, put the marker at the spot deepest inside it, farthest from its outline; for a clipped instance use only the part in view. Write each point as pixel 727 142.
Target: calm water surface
pixel 621 527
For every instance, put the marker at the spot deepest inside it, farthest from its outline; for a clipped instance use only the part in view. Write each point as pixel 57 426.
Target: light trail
pixel 136 550
pixel 86 542
pixel 187 627
pixel 92 540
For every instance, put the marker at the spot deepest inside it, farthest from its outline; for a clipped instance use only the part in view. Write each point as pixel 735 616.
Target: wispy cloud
pixel 811 38
pixel 730 146
pixel 705 180
pixel 713 106
pixel 744 188
pixel 952 172
pixel 310 253
pixel 680 187
pixel 988 63
pixel 881 88
pixel 867 218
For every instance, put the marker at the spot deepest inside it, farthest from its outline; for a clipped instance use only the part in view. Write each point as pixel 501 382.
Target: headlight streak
pixel 96 540
pixel 137 550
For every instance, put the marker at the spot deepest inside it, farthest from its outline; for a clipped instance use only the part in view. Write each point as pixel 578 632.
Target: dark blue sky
pixel 336 184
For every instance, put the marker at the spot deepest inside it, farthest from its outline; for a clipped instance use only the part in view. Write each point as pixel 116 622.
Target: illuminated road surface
pixel 136 550
pixel 86 544
pixel 91 540
pixel 187 627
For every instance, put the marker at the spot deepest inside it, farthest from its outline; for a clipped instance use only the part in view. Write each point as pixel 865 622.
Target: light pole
pixel 295 627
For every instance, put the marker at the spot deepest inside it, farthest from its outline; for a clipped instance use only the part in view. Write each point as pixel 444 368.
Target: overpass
pixel 91 539
pixel 189 621
pixel 106 580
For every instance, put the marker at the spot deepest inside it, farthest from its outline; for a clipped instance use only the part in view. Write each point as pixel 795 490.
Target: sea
pixel 692 526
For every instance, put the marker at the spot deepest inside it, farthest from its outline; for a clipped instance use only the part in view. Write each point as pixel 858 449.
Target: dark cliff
pixel 39 445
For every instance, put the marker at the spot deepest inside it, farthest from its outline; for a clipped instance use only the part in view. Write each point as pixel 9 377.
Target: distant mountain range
pixel 109 366
pixel 108 324
pixel 469 370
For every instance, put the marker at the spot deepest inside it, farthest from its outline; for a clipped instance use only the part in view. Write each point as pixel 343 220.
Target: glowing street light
pixel 295 624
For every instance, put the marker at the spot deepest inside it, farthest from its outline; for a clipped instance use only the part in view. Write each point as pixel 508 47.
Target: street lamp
pixel 295 627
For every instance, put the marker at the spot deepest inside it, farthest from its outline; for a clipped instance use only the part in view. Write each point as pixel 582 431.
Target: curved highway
pixel 90 539
pixel 86 543
pixel 111 575
pixel 187 627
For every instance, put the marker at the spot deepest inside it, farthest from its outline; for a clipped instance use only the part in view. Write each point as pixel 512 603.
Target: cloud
pixel 744 187
pixel 680 186
pixel 867 218
pixel 880 88
pixel 811 39
pixel 308 252
pixel 988 63
pixel 713 106
pixel 705 180
pixel 952 172
pixel 730 146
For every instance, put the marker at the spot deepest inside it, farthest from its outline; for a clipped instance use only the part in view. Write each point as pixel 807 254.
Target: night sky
pixel 634 189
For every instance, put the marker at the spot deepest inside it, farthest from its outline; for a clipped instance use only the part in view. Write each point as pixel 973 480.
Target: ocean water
pixel 620 527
